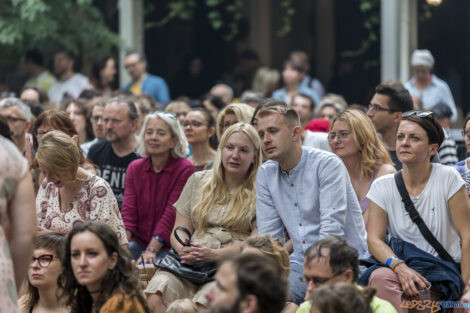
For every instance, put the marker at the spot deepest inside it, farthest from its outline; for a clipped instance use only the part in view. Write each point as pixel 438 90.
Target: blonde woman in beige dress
pixel 218 207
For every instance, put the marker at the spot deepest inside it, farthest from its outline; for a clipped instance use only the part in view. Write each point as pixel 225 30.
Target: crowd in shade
pixel 268 197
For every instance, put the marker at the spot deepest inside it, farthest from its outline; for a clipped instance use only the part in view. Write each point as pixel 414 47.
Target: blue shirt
pixel 154 86
pixel 436 92
pixel 312 201
pixel 281 94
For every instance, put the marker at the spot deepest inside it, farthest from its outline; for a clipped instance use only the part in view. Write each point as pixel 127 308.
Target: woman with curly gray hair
pixel 153 184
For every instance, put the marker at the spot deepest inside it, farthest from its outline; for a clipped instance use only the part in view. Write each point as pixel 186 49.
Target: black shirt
pixel 111 167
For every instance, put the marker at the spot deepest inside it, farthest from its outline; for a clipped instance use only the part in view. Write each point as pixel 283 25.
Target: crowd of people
pixel 280 200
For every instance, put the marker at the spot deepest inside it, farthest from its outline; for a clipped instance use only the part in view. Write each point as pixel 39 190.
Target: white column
pixel 131 30
pixel 398 38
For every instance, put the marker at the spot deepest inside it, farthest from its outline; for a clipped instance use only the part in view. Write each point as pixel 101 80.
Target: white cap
pixel 422 57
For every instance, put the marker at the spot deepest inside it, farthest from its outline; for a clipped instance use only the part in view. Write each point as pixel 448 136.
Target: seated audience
pixel 70 194
pixel 448 150
pixel 252 98
pixel 353 138
pixel 266 80
pixel 331 261
pixel 153 184
pixel 18 116
pixel 97 125
pixel 248 283
pixel 199 129
pixel 223 91
pixel 43 272
pixel 103 73
pixel 439 196
pixel 98 274
pixel 217 207
pixel 232 114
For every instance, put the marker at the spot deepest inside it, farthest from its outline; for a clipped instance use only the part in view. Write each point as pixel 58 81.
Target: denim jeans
pixel 297 289
pixel 136 250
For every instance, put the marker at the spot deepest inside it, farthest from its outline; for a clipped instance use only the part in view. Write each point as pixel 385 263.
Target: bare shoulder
pixel 385 169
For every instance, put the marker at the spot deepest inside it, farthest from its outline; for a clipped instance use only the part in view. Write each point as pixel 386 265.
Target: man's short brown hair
pixel 291 117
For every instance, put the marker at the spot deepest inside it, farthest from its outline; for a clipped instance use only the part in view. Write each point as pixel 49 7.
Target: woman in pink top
pixel 354 139
pixel 69 194
pixel 153 184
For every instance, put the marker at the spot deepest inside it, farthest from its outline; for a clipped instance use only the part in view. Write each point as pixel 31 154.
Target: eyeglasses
pixel 466 134
pixel 43 260
pixel 317 281
pixel 12 119
pixel 341 136
pixel 418 113
pixel 97 118
pixel 378 108
pixel 193 124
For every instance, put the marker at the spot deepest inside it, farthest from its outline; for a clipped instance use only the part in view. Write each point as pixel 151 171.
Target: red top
pixel 147 209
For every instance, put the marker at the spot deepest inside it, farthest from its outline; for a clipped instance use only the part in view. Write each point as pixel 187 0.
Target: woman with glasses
pixel 463 167
pixel 153 184
pixel 232 114
pixel 69 194
pixel 218 208
pixel 353 138
pixel 98 274
pixel 43 272
pixel 438 194
pixel 199 129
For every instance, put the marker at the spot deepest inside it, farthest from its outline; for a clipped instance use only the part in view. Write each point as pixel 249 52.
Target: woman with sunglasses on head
pixel 353 138
pixel 463 167
pixel 69 194
pixel 98 274
pixel 217 207
pixel 199 129
pixel 43 272
pixel 153 184
pixel 438 194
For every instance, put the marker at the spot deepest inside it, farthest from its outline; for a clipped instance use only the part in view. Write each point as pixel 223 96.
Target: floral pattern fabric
pixel 95 201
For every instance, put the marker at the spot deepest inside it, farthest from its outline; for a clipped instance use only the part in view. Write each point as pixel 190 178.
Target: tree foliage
pixel 74 24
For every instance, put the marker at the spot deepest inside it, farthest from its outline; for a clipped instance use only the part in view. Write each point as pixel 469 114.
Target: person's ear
pixel 113 261
pixel 397 117
pixel 249 304
pixel 348 275
pixel 27 126
pixel 75 138
pixel 434 149
pixel 297 133
pixel 211 131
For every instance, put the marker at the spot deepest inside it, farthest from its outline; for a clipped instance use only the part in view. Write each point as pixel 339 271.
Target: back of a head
pixel 342 256
pixel 442 110
pixel 342 298
pixel 262 277
pixel 271 248
pixel 399 98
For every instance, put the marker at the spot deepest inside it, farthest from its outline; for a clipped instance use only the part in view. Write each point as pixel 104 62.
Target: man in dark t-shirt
pixel 113 155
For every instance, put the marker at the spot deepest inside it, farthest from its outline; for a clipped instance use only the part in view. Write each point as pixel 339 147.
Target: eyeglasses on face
pixel 43 260
pixel 12 119
pixel 193 124
pixel 420 114
pixel 317 281
pixel 340 136
pixel 97 118
pixel 378 108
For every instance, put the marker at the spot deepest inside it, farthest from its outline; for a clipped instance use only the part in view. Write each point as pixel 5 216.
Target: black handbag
pixel 197 273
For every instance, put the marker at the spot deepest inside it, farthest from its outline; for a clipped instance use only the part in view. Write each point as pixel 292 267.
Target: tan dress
pixel 173 287
pixel 13 168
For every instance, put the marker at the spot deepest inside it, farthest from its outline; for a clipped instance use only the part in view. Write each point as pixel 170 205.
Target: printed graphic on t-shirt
pixel 116 177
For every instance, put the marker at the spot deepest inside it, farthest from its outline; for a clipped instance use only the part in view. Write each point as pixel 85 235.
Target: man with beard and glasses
pixel 248 283
pixel 113 155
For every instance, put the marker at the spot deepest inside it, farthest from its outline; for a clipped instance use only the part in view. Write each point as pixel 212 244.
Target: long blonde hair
pixel 371 150
pixel 214 191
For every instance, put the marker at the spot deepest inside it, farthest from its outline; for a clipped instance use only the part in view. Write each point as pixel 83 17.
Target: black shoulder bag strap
pixel 416 218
